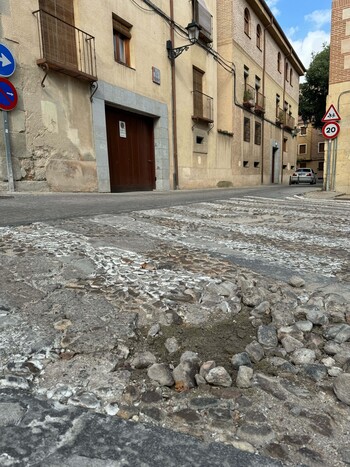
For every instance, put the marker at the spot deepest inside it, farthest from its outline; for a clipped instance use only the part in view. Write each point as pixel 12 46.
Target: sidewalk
pixel 321 194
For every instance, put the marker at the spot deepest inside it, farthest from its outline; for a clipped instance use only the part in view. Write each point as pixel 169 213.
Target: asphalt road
pixel 23 208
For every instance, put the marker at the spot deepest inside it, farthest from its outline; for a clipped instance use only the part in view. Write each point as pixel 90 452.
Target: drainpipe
pixel 173 104
pixel 263 119
pixel 284 99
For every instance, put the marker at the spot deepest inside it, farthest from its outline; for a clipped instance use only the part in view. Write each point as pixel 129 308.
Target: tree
pixel 313 92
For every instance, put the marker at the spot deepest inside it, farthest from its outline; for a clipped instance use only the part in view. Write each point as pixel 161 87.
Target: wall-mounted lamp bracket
pixel 193 35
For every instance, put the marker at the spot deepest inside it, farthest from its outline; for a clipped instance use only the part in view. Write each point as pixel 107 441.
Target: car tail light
pixel 295 174
pixel 308 175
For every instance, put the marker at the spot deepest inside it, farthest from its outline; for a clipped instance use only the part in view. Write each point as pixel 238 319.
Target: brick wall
pixel 340 42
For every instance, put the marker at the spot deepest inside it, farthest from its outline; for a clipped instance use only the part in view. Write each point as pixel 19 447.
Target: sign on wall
pixel 122 129
pixel 7 62
pixel 8 95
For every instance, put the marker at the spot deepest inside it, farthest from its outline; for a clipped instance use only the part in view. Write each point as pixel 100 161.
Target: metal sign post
pixel 11 183
pixel 330 131
pixel 8 101
pixel 328 172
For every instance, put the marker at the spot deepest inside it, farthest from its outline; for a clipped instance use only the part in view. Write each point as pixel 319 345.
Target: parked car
pixel 304 175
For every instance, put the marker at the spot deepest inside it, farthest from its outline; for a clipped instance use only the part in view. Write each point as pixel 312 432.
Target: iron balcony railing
pixel 65 48
pixel 259 102
pixel 249 96
pixel 283 118
pixel 202 107
pixel 289 121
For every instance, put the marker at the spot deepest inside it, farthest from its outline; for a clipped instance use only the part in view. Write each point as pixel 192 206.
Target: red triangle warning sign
pixel 331 115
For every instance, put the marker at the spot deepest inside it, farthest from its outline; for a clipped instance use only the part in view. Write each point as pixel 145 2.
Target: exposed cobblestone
pixel 99 313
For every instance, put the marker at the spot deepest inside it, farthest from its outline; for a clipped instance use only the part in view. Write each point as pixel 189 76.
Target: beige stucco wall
pixel 58 137
pixel 51 123
pixel 251 163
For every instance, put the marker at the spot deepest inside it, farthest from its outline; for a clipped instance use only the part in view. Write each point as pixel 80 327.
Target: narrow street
pixel 226 318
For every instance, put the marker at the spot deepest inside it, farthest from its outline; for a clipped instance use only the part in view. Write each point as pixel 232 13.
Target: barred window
pixel 246 132
pixel 257 133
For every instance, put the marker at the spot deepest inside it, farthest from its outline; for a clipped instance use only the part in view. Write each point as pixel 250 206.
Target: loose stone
pixel 244 377
pixel 218 376
pixel 341 388
pixel 143 360
pixel 267 336
pixel 241 359
pixel 160 372
pixel 296 281
pixel 172 345
pixel 255 351
pixel 301 356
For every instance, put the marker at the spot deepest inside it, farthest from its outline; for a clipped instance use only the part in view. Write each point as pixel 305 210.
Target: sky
pixel 306 23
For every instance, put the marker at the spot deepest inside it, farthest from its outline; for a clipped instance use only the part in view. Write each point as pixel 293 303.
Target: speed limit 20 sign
pixel 330 130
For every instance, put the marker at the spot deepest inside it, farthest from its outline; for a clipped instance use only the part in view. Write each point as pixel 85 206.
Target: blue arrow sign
pixel 7 62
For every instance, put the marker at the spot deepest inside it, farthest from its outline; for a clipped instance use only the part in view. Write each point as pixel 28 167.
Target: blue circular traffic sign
pixel 8 95
pixel 7 62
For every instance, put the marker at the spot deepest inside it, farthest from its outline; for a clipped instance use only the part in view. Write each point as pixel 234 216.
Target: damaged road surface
pixel 226 322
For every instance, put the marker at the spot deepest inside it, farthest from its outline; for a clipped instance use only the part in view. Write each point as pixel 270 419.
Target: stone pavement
pixel 37 432
pixel 225 321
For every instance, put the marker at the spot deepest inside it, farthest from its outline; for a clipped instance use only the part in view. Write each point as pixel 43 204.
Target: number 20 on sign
pixel 331 130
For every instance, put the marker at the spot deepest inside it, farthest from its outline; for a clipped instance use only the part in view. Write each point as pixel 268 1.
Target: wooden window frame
pixel 247 21
pixel 304 146
pixel 121 40
pixel 279 61
pixel 258 36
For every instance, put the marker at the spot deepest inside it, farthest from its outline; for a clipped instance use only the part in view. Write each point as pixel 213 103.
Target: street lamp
pixel 193 35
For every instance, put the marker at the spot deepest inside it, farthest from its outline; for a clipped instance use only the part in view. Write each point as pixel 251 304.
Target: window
pixel 246 75
pixel 247 22
pixel 285 141
pixel 245 164
pixel 258 36
pixel 302 149
pixel 58 36
pixel 303 131
pixel 246 132
pixel 121 38
pixel 204 19
pixel 279 58
pixel 278 100
pixel 257 133
pixel 291 76
pixel 320 166
pixel 320 147
pixel 256 164
pixel 197 92
pixel 287 71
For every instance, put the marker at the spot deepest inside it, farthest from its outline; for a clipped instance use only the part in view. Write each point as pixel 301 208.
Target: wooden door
pixel 130 151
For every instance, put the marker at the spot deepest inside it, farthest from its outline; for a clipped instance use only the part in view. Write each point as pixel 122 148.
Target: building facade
pixel 264 94
pixel 119 99
pixel 311 147
pixel 339 94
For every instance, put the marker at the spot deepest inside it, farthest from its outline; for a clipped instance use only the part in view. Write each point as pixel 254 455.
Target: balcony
pixel 259 103
pixel 65 48
pixel 283 118
pixel 202 107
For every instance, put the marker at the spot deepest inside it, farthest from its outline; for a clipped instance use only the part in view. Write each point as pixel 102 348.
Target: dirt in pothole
pixel 216 340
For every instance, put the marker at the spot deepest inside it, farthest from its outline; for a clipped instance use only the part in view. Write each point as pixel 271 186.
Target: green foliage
pixel 313 92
